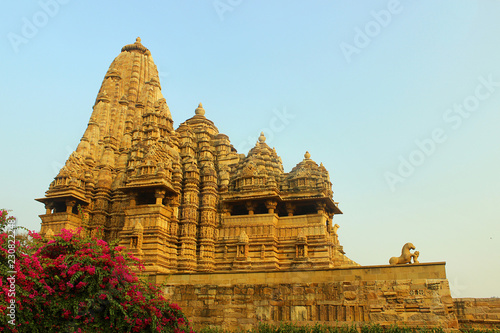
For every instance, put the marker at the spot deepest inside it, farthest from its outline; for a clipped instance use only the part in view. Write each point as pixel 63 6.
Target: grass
pixel 320 328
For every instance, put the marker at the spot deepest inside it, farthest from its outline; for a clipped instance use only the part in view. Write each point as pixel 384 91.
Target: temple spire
pixel 137 46
pixel 200 111
pixel 262 138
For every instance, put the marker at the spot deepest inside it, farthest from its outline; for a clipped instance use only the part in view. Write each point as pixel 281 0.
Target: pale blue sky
pixel 360 113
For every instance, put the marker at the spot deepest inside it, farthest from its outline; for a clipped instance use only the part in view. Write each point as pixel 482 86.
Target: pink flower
pixel 81 284
pixel 66 314
pixel 175 306
pixel 90 269
pixel 73 269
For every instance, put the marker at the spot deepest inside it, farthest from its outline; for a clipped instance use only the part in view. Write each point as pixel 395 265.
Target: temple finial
pixel 307 155
pixel 137 46
pixel 262 138
pixel 200 111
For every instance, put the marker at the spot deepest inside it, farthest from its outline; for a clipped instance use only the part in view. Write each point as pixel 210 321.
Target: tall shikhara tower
pixel 184 200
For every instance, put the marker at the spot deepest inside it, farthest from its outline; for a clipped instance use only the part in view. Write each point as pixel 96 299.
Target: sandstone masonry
pixel 411 295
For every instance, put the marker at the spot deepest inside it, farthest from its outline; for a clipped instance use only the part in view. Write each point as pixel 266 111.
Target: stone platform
pixel 478 313
pixel 411 295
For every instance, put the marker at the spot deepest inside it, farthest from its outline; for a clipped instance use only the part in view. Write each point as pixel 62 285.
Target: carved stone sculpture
pixel 415 257
pixel 406 255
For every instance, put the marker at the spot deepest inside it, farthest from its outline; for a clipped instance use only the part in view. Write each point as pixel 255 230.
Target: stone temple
pixel 235 238
pixel 183 199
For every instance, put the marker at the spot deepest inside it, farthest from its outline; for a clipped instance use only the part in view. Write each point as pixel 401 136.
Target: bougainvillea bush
pixel 73 283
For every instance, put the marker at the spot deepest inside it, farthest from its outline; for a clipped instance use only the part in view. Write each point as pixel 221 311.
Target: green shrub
pixel 288 327
pixel 78 284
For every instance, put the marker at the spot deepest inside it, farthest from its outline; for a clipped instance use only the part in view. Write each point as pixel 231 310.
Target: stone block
pixel 267 291
pixel 350 295
pixel 298 313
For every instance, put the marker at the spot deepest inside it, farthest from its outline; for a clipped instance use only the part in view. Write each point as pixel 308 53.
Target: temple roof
pixel 307 174
pixel 130 143
pixel 137 47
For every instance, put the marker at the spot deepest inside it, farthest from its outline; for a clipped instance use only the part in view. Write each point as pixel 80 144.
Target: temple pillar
pixel 69 206
pixel 226 209
pixel 132 199
pixel 271 206
pixel 159 195
pixel 48 208
pixel 320 207
pixel 189 221
pixel 250 207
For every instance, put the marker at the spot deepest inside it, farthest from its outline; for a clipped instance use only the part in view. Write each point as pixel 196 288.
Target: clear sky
pixel 400 101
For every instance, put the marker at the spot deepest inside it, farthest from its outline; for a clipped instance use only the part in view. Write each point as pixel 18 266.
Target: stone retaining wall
pixel 412 295
pixel 482 313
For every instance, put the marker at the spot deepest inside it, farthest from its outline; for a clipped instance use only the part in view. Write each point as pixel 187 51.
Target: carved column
pixel 189 219
pixel 271 206
pixel 48 208
pixel 226 209
pixel 250 207
pixel 132 199
pixel 119 201
pixel 173 236
pixel 101 208
pixel 159 195
pixel 69 206
pixel 208 217
pixel 290 208
pixel 320 206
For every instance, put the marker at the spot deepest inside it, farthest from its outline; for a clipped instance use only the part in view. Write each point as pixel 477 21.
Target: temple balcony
pixel 303 220
pixel 242 220
pixel 58 221
pixel 149 215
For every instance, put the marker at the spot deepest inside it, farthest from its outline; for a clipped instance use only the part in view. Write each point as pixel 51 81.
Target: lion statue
pixel 406 255
pixel 415 257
